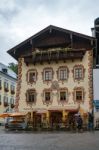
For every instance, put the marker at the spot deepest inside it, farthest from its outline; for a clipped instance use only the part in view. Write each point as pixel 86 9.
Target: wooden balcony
pixel 48 56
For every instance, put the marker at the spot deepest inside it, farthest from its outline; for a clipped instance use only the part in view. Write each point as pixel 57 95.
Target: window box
pixel 6 104
pixel 6 89
pixel 12 105
pixel 12 92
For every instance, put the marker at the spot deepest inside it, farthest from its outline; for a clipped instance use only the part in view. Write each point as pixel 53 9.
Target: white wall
pixel 96 83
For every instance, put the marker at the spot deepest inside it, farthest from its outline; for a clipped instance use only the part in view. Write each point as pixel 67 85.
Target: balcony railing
pixel 48 56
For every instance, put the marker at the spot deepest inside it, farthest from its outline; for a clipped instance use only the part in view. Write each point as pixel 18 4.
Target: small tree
pixel 13 67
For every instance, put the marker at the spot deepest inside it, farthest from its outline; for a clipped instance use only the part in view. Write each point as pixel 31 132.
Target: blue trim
pixel 96 103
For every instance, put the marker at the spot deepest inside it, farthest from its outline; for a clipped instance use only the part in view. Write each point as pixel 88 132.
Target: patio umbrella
pixel 3 115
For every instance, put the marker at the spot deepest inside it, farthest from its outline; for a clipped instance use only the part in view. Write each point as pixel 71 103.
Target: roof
pixel 9 73
pixel 13 50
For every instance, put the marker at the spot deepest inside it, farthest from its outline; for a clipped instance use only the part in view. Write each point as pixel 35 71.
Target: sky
pixel 20 19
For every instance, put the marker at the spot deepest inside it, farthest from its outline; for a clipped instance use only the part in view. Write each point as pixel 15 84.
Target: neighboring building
pixel 55 70
pixel 96 97
pixel 7 88
pixel 95 33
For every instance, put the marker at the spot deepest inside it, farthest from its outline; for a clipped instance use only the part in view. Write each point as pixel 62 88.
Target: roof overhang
pixel 64 37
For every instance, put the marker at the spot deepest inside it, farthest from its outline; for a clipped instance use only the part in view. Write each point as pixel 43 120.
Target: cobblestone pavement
pixel 18 140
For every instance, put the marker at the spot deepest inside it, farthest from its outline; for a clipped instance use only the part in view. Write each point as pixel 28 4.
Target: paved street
pixel 16 140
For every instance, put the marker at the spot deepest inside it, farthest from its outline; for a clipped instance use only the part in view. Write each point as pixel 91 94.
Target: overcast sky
pixel 20 19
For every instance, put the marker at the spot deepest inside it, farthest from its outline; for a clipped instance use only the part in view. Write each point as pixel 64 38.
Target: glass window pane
pixel 62 95
pixel 79 95
pixel 78 73
pixel 63 74
pixel 47 96
pixel 48 75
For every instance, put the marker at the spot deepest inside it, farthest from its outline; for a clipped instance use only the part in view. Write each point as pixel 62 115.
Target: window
pixel 31 96
pixel 47 96
pixel 5 101
pixel 12 87
pixel 63 73
pixel 31 76
pixel 63 96
pixel 79 95
pixel 47 74
pixel 11 100
pixel 0 84
pixel 78 73
pixel 6 86
pixel 0 99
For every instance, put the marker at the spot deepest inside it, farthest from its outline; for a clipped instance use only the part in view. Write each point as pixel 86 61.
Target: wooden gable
pixel 52 37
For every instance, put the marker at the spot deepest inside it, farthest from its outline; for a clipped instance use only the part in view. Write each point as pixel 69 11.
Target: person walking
pixel 79 123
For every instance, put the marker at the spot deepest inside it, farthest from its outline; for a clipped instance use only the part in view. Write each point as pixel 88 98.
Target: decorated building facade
pixel 54 75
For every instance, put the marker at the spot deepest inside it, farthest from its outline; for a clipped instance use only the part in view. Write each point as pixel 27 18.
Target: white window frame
pixel 49 76
pixel 63 73
pixel 78 75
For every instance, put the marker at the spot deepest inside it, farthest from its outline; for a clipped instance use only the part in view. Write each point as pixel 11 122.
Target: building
pixel 95 33
pixel 7 88
pixel 55 70
pixel 96 97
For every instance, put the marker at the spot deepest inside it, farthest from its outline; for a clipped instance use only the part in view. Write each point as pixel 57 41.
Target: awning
pixel 18 114
pixel 4 115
